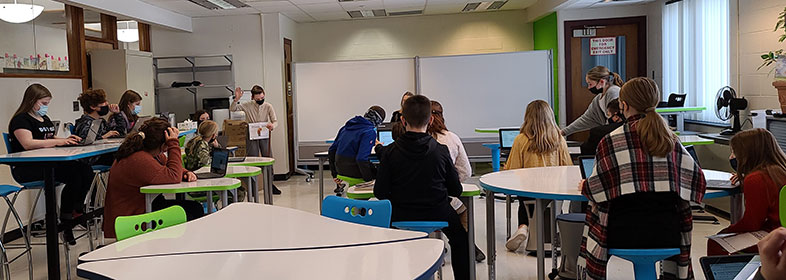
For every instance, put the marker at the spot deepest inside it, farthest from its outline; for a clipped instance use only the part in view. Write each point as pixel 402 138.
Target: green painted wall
pixel 545 37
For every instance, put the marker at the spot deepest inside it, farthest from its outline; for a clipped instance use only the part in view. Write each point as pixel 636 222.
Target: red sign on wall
pixel 603 46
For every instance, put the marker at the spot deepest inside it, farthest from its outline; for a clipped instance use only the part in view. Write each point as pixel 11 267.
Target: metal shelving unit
pixel 193 67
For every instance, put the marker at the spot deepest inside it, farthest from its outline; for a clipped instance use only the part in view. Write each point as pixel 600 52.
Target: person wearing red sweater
pixel 762 169
pixel 148 157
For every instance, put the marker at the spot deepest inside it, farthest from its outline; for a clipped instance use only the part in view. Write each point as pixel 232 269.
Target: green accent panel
pixel 197 189
pixel 130 226
pixel 360 195
pixel 544 33
pixel 697 143
pixel 351 181
pixel 253 163
pixel 244 175
pixel 783 206
pixel 680 109
pixel 479 130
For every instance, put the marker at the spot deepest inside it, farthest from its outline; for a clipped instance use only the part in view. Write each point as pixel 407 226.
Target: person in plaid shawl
pixel 647 177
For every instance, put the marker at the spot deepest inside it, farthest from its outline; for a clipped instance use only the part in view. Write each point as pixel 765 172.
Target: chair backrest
pixel 782 206
pixel 7 142
pixel 130 226
pixel 372 213
pixel 692 152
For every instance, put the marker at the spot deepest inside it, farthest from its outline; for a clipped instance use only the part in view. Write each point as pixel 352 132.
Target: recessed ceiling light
pixel 483 6
pixel 367 13
pixel 219 4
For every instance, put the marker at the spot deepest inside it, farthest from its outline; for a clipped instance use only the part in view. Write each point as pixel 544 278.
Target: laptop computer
pixel 92 134
pixel 139 123
pixel 218 164
pixel 506 137
pixel 730 267
pixel 711 184
pixel 587 164
pixel 385 136
pixel 675 100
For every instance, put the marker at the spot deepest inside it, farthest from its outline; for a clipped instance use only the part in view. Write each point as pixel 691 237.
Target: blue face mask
pixel 137 109
pixel 42 110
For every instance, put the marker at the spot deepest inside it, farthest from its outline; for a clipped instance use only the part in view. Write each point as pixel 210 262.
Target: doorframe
pixel 640 21
pixel 289 104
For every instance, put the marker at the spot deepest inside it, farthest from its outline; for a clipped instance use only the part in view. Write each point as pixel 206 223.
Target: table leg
pixel 321 183
pixel 470 204
pixel 234 196
pixel 541 229
pixel 735 207
pixel 490 238
pixel 681 122
pixel 553 223
pixel 495 155
pixel 52 235
pixel 148 202
pixel 507 216
pixel 224 199
pixel 268 186
pixel 210 206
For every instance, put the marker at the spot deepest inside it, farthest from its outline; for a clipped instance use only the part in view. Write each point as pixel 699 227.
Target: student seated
pixel 761 165
pixel 417 175
pixel 616 119
pixel 148 157
pixel 30 129
pixel 539 144
pixel 640 189
pixel 349 154
pixel 201 115
pixel 458 155
pixel 198 149
pixel 95 106
pixel 130 109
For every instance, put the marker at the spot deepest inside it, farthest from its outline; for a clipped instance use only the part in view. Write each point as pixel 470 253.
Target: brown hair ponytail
pixel 643 95
pixel 150 137
pixel 598 73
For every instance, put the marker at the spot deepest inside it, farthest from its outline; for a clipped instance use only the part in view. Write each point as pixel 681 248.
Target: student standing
pixel 416 174
pixel 538 144
pixel 761 165
pixel 396 117
pixel 30 129
pixel 148 157
pixel 130 108
pixel 257 111
pixel 640 189
pixel 605 85
pixel 95 106
pixel 349 154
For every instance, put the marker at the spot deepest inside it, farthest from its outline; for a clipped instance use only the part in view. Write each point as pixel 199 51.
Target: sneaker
pixel 276 190
pixel 479 255
pixel 519 237
pixel 339 188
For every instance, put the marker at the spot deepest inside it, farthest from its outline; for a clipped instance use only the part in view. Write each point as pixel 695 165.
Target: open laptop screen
pixel 506 137
pixel 219 161
pixel 587 164
pixel 385 136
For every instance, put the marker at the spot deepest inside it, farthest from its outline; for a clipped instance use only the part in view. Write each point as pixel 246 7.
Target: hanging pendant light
pixel 128 35
pixel 19 13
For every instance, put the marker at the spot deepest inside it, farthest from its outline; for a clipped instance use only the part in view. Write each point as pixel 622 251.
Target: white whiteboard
pixel 327 94
pixel 487 90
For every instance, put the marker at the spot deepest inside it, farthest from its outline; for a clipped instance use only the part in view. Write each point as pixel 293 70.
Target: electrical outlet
pixel 76 106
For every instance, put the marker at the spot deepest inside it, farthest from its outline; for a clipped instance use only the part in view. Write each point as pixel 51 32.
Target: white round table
pixel 546 184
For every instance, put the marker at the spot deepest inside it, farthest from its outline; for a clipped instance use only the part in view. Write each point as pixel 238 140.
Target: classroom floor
pixel 299 194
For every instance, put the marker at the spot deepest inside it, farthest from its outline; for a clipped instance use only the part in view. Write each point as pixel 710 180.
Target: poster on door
pixel 603 46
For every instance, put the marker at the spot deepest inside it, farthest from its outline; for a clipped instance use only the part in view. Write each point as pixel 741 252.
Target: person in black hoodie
pixel 349 154
pixel 417 175
pixel 615 120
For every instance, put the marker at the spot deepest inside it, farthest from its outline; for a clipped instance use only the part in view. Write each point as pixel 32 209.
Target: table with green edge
pixel 694 140
pixel 490 129
pixel 680 113
pixel 469 191
pixel 266 164
pixel 220 185
pixel 238 172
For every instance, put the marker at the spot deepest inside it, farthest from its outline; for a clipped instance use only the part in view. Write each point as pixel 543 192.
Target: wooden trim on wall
pixel 109 29
pixel 75 35
pixel 144 37
pixel 42 76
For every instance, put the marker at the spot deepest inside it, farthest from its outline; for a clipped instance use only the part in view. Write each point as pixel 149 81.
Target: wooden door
pixel 290 105
pixel 588 43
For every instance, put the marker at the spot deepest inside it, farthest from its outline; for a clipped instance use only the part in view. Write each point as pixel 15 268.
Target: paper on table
pixel 258 131
pixel 365 186
pixel 735 242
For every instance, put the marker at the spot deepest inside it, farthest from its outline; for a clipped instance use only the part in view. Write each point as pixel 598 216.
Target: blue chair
pixel 5 191
pixel 372 213
pixel 644 260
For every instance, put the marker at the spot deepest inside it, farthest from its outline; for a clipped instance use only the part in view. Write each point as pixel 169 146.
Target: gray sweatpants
pixel 257 148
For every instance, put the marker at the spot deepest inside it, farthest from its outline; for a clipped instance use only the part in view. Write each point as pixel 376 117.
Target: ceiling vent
pixel 367 13
pixel 406 13
pixel 483 6
pixel 219 4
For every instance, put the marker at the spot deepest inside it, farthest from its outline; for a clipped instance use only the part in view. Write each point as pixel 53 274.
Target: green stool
pixel 351 181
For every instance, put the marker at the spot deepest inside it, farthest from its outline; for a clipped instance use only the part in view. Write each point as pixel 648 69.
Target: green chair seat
pixel 351 181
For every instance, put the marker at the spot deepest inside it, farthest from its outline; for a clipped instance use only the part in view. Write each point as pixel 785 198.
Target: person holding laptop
pixel 257 111
pixel 761 167
pixel 129 109
pixel 31 129
pixel 154 150
pixel 95 106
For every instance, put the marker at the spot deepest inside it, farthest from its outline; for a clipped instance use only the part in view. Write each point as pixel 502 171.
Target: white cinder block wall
pixel 756 36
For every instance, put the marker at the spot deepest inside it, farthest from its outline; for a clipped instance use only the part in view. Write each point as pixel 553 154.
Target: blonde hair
pixel 206 129
pixel 757 150
pixel 598 73
pixel 540 127
pixel 643 95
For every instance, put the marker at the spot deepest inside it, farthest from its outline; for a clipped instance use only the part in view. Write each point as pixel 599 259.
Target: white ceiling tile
pixel 304 2
pixel 446 2
pixel 322 8
pixel 363 5
pixel 444 8
pixel 275 7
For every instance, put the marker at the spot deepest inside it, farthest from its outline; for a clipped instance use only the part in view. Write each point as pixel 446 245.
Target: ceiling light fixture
pixel 219 4
pixel 484 6
pixel 20 13
pixel 128 35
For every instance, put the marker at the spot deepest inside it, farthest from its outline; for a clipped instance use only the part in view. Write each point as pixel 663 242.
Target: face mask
pixel 595 90
pixel 733 163
pixel 261 101
pixel 103 110
pixel 137 110
pixel 42 110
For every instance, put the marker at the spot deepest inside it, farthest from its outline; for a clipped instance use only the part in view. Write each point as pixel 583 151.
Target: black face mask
pixel 733 163
pixel 595 90
pixel 261 101
pixel 619 116
pixel 103 110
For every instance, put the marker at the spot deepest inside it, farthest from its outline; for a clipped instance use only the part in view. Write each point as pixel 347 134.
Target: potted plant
pixel 778 57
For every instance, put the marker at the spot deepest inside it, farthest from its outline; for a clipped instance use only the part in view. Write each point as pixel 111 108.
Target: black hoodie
pixel 416 173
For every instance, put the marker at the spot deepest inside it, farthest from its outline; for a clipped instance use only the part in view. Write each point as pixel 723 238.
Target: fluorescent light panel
pixel 483 6
pixel 219 4
pixel 367 13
